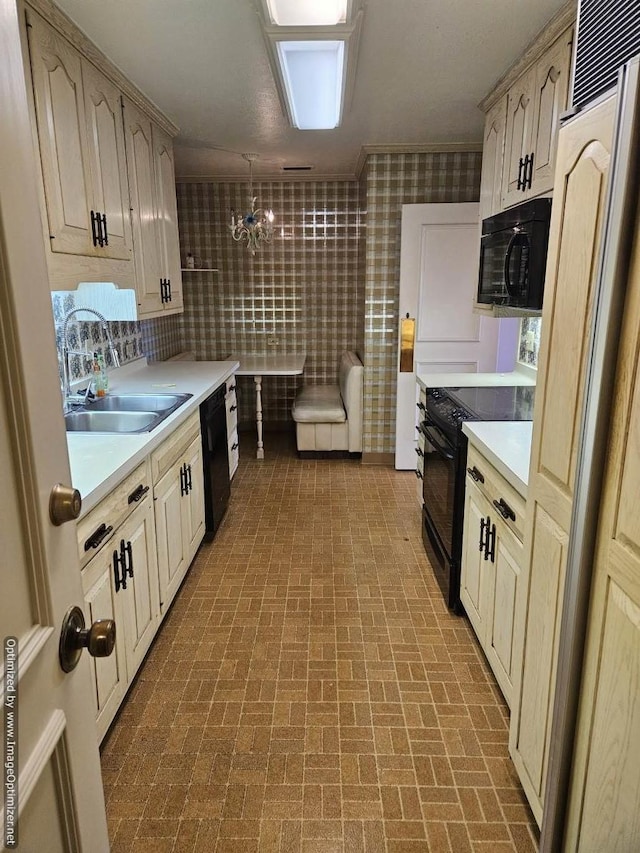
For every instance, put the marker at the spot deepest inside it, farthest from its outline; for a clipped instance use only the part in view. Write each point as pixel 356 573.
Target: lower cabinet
pixel 491 560
pixel 121 583
pixel 136 547
pixel 231 404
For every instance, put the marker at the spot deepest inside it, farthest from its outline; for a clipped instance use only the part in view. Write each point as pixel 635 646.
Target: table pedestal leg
pixel 260 450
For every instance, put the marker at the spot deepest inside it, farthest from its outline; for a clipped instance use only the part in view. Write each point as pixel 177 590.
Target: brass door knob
pixel 65 504
pixel 99 639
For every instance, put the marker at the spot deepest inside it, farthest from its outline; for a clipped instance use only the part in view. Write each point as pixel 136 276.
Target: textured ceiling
pixel 422 68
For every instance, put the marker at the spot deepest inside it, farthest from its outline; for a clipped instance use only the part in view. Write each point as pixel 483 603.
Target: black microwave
pixel 513 255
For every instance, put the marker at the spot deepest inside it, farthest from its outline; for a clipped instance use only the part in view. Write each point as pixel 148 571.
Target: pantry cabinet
pixel 80 139
pixel 178 495
pixel 491 560
pixel 584 154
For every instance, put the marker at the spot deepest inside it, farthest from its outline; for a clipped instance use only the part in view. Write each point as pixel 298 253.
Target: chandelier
pixel 256 226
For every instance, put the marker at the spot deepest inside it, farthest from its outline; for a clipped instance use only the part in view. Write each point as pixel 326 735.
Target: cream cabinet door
pixel 551 87
pixel 141 605
pixel 170 539
pixel 578 209
pixel 492 159
pixel 109 675
pixel 194 504
pixel 520 108
pixel 56 70
pixel 103 110
pixel 500 617
pixel 140 170
pixel 167 216
pixel 474 575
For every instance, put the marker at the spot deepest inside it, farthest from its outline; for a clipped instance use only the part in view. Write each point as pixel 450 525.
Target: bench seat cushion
pixel 319 404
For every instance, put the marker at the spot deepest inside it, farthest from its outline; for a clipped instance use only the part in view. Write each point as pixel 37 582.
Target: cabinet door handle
pixel 183 480
pixel 187 472
pixel 97 537
pixel 476 476
pixel 419 474
pixel 491 543
pixel 232 388
pixel 128 551
pixel 168 290
pixel 419 452
pixel 119 574
pixel 137 494
pixel 528 178
pixel 104 236
pixel 422 407
pixel 234 446
pixel 95 225
pixel 487 534
pixel 504 509
pixel 520 183
pixel 233 408
pixel 482 543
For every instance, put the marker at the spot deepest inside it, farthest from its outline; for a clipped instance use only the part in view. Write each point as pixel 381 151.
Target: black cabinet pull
pixel 188 478
pixel 128 551
pixel 234 446
pixel 482 542
pixel 183 480
pixel 504 509
pixel 233 408
pixel 487 534
pixel 422 407
pixel 231 388
pixel 168 290
pixel 419 474
pixel 104 236
pixel 119 572
pixel 491 543
pixel 137 494
pixel 97 537
pixel 520 183
pixel 419 452
pixel 165 290
pixel 95 226
pixel 528 177
pixel 476 476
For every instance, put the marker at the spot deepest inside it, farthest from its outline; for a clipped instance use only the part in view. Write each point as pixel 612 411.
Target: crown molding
pixel 69 30
pixel 560 22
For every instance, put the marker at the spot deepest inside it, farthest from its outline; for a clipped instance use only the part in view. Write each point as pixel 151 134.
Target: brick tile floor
pixel 309 691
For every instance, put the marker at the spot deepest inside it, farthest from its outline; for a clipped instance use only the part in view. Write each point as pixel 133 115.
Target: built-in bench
pixel 329 417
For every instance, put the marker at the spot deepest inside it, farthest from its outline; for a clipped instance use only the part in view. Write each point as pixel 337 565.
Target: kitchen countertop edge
pixel 507 446
pixel 99 461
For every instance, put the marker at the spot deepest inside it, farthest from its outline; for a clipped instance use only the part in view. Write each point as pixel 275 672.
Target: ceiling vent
pixel 608 36
pixel 297 168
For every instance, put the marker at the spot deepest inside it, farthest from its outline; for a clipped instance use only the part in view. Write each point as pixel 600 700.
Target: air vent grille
pixel 608 36
pixel 297 168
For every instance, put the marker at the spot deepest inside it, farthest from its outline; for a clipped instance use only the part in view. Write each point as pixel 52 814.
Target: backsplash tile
pixel 304 289
pixel 156 339
pixel 525 355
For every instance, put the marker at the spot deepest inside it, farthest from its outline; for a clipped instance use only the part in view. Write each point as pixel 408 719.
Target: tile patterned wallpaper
pixel 155 339
pixel 388 182
pixel 304 289
pixel 533 325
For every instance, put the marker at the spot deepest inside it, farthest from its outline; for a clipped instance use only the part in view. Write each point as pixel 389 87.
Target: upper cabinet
pixel 535 103
pixel 522 121
pixel 108 178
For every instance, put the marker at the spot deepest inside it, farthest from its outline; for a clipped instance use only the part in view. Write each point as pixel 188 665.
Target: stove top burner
pixel 452 406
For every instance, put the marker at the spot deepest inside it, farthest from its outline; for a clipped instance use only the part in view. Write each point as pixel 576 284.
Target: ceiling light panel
pixel 307 13
pixel 312 74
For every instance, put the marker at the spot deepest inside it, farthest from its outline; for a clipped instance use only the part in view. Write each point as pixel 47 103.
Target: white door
pixel 60 797
pixel 439 256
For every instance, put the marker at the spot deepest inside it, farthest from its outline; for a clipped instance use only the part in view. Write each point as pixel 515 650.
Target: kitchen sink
pixel 124 413
pixel 163 403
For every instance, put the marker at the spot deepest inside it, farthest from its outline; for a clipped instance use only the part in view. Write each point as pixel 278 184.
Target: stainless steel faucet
pixel 66 352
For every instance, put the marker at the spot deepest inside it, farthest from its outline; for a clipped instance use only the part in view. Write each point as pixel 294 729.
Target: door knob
pixel 99 639
pixel 65 504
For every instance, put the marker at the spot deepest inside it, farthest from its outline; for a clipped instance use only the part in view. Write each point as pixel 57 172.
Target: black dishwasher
pixel 215 458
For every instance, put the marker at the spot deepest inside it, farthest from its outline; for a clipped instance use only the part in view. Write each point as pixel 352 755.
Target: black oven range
pixel 445 468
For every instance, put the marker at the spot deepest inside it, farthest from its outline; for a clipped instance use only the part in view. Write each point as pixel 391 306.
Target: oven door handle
pixel 518 239
pixel 440 450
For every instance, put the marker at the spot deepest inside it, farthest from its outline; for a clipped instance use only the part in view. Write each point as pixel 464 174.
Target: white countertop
pixel 507 445
pixel 473 380
pixel 100 461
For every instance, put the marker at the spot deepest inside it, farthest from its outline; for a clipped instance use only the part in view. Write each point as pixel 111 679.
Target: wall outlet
pixel 272 341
